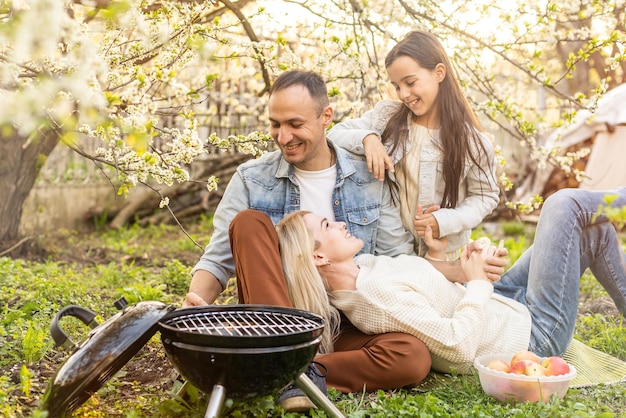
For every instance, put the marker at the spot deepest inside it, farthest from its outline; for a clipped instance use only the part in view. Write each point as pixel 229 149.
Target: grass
pixel 153 263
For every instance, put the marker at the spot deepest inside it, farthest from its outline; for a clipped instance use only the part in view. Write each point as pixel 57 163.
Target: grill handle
pixel 58 335
pixel 307 386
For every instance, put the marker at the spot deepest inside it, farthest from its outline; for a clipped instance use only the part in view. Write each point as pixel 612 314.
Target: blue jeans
pixel 546 278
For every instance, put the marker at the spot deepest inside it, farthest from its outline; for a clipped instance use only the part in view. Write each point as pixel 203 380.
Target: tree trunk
pixel 21 160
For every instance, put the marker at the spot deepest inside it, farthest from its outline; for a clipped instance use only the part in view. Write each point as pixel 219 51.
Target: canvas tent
pixel 605 132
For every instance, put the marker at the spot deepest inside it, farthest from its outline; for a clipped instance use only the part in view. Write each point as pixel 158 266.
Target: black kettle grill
pixel 244 351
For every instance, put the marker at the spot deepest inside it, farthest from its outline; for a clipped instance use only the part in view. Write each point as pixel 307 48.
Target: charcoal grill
pixel 244 351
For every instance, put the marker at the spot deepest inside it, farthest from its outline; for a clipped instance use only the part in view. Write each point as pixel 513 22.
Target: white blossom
pixel 151 85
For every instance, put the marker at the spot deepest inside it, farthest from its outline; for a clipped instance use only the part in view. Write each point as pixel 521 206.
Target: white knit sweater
pixel 457 323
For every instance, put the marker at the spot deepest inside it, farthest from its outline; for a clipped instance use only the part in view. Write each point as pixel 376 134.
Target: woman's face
pixel 417 88
pixel 336 243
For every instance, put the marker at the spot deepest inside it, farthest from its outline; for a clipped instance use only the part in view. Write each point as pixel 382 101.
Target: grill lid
pixel 107 349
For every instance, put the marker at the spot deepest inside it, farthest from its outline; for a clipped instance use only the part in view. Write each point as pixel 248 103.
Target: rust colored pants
pixel 360 361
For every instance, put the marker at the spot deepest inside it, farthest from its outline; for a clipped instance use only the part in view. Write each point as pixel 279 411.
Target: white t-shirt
pixel 316 190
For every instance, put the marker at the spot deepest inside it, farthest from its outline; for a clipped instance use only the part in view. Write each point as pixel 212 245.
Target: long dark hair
pixel 459 126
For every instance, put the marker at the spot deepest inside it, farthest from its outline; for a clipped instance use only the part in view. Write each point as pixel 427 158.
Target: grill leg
pixel 317 396
pixel 216 402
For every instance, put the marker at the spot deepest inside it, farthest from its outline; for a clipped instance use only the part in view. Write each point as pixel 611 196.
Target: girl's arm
pixel 351 133
pixel 377 158
pixel 362 136
pixel 483 196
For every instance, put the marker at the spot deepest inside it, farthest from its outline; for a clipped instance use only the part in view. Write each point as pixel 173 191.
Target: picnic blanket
pixel 593 366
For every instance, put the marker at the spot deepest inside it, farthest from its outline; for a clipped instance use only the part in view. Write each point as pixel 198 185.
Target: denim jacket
pixel 267 184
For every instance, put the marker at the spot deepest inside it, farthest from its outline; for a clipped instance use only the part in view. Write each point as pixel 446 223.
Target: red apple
pixel 554 366
pixel 527 367
pixel 524 355
pixel 499 365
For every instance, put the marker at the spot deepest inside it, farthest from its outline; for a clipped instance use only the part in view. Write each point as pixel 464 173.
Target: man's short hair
pixel 310 80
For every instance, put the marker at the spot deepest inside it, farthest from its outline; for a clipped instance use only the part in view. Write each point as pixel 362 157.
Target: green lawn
pixel 93 270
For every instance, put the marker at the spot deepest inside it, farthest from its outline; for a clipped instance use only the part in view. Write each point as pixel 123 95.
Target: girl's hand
pixel 473 264
pixel 377 159
pixel 436 246
pixel 424 219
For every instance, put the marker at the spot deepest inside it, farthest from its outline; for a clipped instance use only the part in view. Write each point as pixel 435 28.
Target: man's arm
pixel 203 289
pixel 451 269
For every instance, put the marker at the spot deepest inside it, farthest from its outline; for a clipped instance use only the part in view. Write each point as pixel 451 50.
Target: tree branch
pixel 415 13
pixel 254 38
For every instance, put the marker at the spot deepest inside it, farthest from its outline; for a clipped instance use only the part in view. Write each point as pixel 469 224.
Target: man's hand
pixel 193 299
pixel 203 289
pixel 376 155
pixel 436 246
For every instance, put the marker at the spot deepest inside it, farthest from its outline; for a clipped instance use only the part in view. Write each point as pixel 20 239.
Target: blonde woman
pixel 533 306
pixel 306 289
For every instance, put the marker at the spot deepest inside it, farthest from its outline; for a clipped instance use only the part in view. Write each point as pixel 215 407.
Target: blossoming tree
pixel 133 74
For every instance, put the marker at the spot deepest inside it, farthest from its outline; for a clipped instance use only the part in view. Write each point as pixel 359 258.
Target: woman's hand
pixel 495 258
pixel 377 158
pixel 473 264
pixel 425 219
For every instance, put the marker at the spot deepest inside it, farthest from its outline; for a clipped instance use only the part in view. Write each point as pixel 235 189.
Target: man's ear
pixel 319 259
pixel 327 116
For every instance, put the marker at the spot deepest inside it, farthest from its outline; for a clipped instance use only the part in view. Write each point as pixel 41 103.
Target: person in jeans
pixel 533 307
pixel 309 172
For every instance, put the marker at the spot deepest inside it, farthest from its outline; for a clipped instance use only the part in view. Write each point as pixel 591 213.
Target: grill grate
pixel 242 323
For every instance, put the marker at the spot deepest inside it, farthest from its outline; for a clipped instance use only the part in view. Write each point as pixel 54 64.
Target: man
pixel 310 173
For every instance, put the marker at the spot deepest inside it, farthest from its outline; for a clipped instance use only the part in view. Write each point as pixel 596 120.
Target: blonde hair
pixel 307 288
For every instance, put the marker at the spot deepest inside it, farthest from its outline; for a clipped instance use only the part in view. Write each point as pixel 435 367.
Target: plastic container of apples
pixel 524 377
